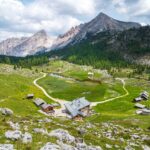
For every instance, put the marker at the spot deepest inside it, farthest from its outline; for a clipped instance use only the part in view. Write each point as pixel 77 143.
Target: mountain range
pixel 40 42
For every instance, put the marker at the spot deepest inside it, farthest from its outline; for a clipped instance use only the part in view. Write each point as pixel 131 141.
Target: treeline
pixel 86 54
pixel 104 50
pixel 95 55
pixel 98 51
pixel 26 62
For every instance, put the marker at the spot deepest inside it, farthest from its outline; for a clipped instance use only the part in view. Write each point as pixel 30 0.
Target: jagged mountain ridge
pixel 130 46
pixel 26 46
pixel 99 24
pixel 40 42
pixel 6 46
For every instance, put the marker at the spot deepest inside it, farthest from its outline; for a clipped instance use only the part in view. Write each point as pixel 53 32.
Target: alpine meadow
pixel 74 75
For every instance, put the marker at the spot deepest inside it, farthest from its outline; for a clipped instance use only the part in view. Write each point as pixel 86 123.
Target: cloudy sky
pixel 25 17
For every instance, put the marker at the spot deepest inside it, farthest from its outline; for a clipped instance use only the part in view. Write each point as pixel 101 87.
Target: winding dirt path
pixel 62 102
pixel 58 112
pixel 112 99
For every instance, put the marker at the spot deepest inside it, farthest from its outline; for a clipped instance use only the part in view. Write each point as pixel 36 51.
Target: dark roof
pixel 39 101
pixel 139 105
pixel 138 99
pixel 76 105
pixel 30 95
pixel 144 94
pixel 146 111
pixel 44 106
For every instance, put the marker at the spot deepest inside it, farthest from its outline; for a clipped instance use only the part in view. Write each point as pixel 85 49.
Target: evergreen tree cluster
pixel 26 62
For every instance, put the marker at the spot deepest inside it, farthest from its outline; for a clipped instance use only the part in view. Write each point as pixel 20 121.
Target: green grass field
pixel 69 90
pixel 124 107
pixel 14 88
pixel 16 84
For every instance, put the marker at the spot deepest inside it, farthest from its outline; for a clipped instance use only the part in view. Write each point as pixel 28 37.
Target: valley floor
pixel 114 125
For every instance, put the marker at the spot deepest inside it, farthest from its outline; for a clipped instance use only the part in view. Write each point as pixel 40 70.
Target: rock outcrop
pixel 37 43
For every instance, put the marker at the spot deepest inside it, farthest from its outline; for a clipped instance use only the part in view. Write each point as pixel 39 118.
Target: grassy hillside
pixel 116 117
pixel 15 85
pixel 109 49
pixel 124 107
pixel 67 89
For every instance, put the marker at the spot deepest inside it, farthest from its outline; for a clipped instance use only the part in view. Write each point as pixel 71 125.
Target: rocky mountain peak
pixel 103 15
pixel 40 40
pixel 41 33
pixel 36 43
pixel 100 23
pixel 70 32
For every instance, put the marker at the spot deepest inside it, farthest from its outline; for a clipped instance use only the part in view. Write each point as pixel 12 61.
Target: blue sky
pixel 27 1
pixel 25 17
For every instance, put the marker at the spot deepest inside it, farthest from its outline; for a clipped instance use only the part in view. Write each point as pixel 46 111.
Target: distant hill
pixel 101 42
pixel 132 45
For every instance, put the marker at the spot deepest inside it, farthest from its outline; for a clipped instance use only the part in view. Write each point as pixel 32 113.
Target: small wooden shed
pixel 47 108
pixel 139 106
pixel 30 96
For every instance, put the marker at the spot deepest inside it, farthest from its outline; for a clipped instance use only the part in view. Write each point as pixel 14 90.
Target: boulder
pixel 81 146
pixel 81 131
pixel 46 120
pixel 108 146
pixel 13 135
pixel 26 138
pixel 17 135
pixel 66 146
pixel 145 147
pixel 50 146
pixel 62 135
pixel 14 126
pixel 6 147
pixel 128 148
pixel 135 136
pixel 6 111
pixel 79 140
pixel 40 130
pixel 94 148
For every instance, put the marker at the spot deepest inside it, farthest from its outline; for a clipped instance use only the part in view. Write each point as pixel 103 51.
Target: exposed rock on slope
pixel 26 46
pixel 131 45
pixel 6 46
pixel 64 40
pixel 99 24
pixel 40 42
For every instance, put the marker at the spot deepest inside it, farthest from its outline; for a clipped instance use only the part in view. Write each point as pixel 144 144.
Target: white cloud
pixel 41 14
pixel 143 24
pixel 120 6
pixel 57 16
pixel 142 8
pixel 6 34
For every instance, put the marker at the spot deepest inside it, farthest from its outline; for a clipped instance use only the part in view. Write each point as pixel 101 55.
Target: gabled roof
pixel 30 95
pixel 80 103
pixel 76 105
pixel 44 106
pixel 145 94
pixel 138 105
pixel 138 99
pixel 146 111
pixel 39 101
